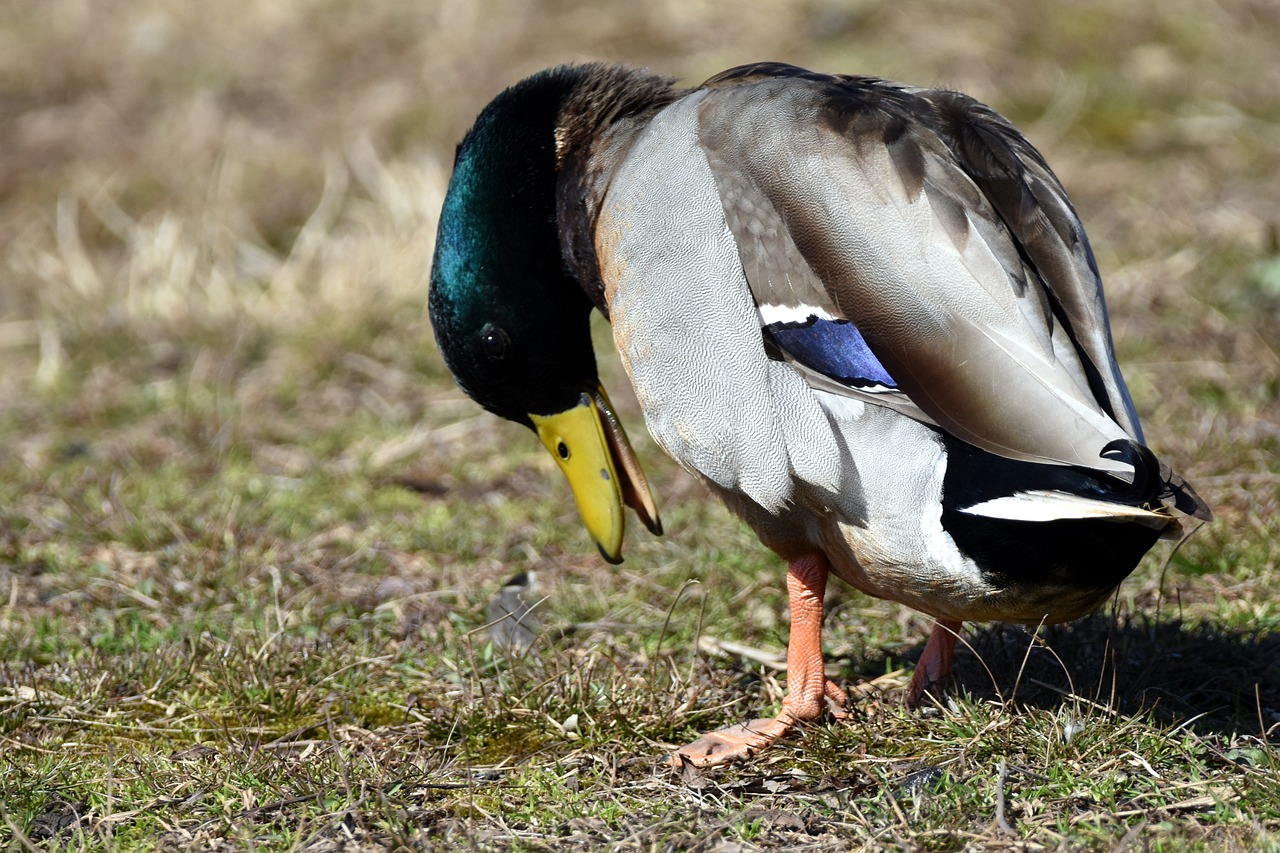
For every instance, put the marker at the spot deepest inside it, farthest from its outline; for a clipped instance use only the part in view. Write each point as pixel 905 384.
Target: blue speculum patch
pixel 834 348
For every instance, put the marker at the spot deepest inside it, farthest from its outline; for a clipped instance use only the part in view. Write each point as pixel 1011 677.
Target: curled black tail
pixel 1153 481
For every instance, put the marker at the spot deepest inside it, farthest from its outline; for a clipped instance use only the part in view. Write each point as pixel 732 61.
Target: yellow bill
pixel 591 448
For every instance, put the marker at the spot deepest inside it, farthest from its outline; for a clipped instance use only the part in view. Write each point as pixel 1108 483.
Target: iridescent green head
pixel 509 316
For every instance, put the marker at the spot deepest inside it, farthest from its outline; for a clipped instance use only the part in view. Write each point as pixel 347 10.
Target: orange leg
pixel 935 660
pixel 808 689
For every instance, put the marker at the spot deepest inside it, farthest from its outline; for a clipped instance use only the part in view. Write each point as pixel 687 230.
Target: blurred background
pixel 234 203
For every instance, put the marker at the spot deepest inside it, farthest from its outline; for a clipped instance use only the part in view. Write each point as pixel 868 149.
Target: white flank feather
pixel 1042 505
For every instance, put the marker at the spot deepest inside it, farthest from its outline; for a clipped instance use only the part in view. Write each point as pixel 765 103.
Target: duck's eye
pixel 494 341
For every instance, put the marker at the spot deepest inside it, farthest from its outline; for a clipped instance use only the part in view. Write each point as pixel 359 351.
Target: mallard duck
pixel 864 313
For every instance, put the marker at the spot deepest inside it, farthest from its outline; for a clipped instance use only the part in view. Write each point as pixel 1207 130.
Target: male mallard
pixel 864 313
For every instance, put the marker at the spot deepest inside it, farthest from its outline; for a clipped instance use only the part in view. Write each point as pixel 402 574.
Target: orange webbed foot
pixel 808 688
pixel 733 743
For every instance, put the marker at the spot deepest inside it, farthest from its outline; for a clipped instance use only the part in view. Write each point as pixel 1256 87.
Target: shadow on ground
pixel 1208 677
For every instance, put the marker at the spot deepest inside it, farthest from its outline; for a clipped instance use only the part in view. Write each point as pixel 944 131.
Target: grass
pixel 250 533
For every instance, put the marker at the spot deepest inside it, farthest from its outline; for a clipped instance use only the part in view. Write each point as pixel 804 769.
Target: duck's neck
pixel 597 124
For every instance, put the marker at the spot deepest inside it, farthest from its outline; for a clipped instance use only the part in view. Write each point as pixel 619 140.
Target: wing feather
pixel 687 329
pixel 1035 208
pixel 942 236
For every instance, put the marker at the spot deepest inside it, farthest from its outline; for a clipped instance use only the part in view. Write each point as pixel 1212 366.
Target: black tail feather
pixel 1153 481
pixel 1178 492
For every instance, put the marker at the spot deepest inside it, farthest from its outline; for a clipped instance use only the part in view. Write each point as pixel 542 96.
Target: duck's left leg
pixel 807 685
pixel 935 660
